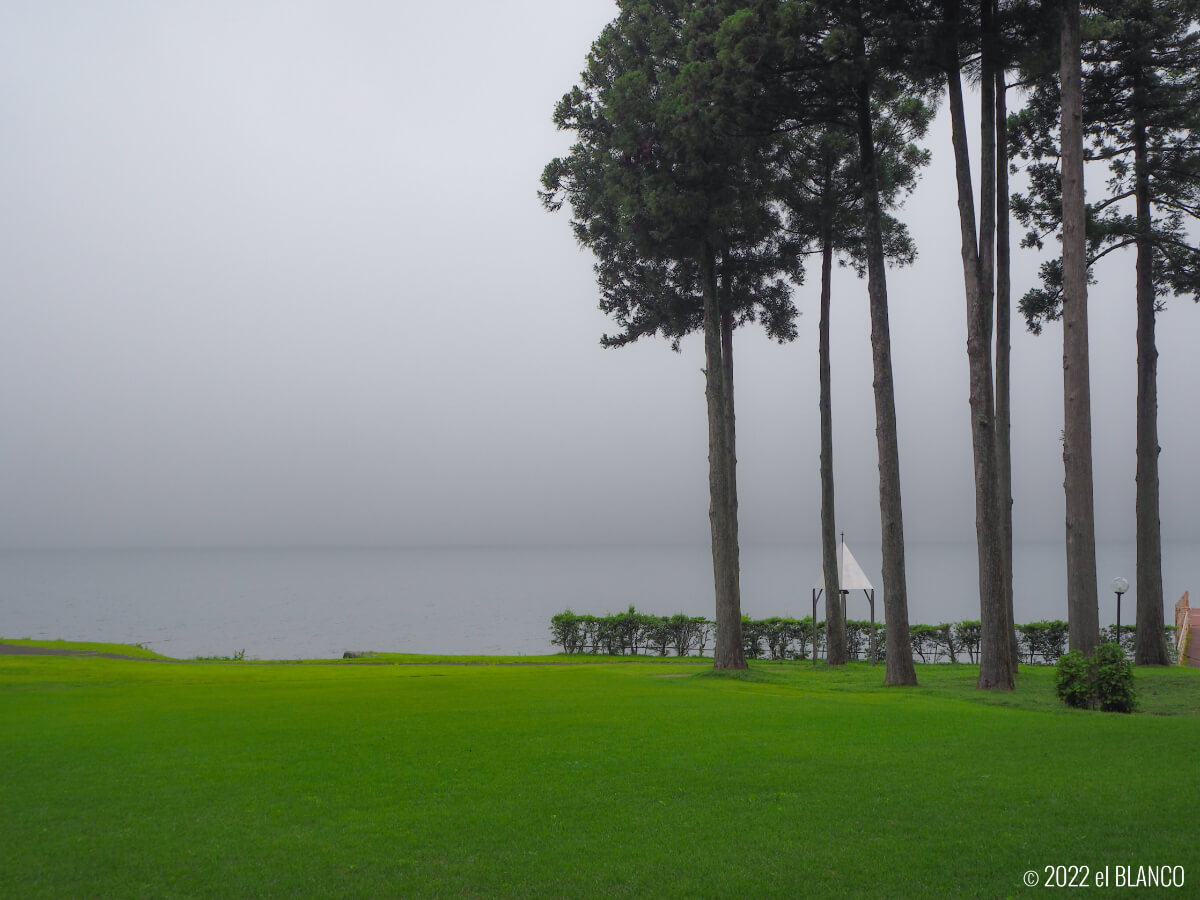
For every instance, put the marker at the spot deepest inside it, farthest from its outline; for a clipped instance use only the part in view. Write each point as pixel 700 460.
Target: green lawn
pixel 154 779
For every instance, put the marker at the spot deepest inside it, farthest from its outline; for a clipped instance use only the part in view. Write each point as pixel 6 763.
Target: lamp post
pixel 1119 586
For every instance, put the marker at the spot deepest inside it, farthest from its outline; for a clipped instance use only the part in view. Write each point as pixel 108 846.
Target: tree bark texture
pixel 835 624
pixel 994 653
pixel 1150 648
pixel 1082 610
pixel 730 430
pixel 1003 359
pixel 728 652
pixel 899 669
pixel 987 167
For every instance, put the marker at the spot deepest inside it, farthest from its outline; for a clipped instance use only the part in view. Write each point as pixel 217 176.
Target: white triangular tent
pixel 851 577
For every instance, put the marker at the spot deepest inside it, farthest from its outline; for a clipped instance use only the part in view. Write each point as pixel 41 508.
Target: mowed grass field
pixel 157 779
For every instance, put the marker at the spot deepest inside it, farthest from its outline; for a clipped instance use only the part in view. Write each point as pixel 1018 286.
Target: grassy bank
pixel 86 647
pixel 139 779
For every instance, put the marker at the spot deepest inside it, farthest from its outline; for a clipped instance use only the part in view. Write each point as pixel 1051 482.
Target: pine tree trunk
pixel 835 623
pixel 994 660
pixel 731 432
pixel 728 653
pixel 1082 610
pixel 899 669
pixel 998 620
pixel 1150 648
pixel 1003 358
pixel 987 174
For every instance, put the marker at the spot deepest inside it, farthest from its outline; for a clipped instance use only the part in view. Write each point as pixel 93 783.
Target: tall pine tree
pixel 1141 116
pixel 820 187
pixel 835 64
pixel 677 209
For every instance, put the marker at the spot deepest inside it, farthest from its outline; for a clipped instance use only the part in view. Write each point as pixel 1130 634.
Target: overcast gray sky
pixel 276 273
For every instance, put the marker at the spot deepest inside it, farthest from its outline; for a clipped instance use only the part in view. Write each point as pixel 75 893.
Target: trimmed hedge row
pixel 633 632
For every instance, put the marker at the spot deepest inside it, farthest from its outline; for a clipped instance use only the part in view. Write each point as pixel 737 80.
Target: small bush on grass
pixel 1114 679
pixel 1104 680
pixel 1073 680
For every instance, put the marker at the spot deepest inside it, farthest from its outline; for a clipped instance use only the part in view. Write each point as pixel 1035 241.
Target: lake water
pixel 319 603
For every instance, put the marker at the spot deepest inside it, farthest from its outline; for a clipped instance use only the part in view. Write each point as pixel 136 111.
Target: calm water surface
pixel 319 603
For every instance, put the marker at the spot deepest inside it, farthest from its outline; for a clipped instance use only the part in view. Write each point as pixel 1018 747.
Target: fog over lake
pixel 275 275
pixel 277 604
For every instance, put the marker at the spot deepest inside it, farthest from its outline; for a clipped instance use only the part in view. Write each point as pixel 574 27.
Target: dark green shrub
pixel 1114 679
pixel 1104 680
pixel 1073 680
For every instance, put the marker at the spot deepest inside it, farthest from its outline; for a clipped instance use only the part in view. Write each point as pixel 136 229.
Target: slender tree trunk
pixel 899 669
pixel 728 653
pixel 1003 357
pixel 999 640
pixel 1150 648
pixel 995 670
pixel 730 431
pixel 835 624
pixel 987 171
pixel 1082 610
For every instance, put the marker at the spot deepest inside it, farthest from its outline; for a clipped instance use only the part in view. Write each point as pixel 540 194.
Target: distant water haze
pixel 319 603
pixel 265 283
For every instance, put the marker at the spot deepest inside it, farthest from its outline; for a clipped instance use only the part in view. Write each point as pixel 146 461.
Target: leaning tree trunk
pixel 1151 646
pixel 1003 358
pixel 1082 611
pixel 835 623
pixel 899 669
pixel 728 653
pixel 994 662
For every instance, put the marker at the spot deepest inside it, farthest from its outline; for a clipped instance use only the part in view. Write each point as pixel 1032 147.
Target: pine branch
pixel 1121 245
